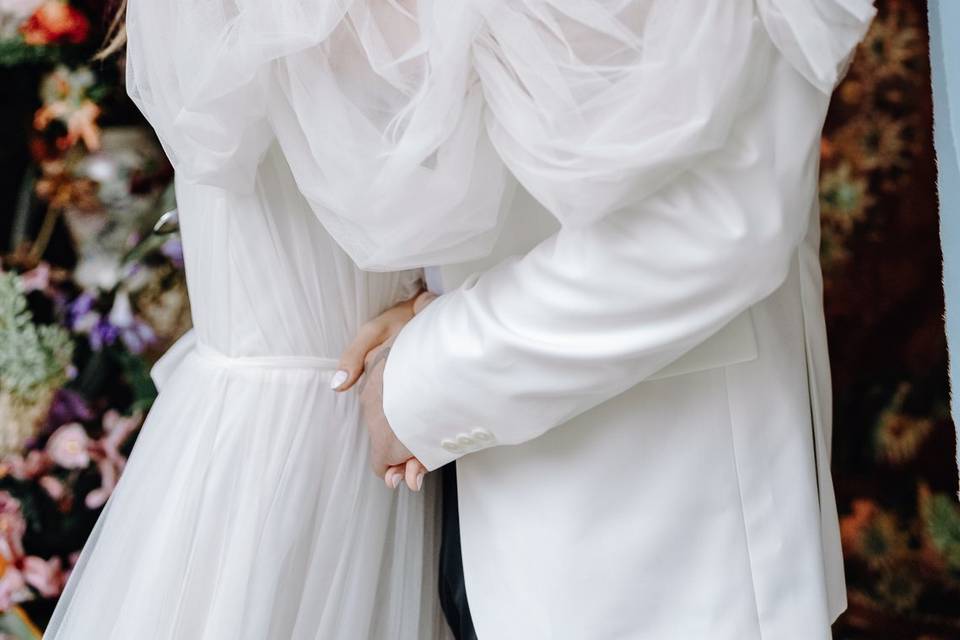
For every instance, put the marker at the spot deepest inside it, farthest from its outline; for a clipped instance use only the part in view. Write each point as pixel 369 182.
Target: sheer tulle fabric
pixel 247 512
pixel 817 35
pixel 247 509
pixel 406 121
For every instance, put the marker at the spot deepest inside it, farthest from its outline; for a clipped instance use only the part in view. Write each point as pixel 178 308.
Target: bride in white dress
pixel 248 509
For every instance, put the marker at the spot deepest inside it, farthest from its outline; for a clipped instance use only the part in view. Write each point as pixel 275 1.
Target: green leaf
pixel 15 52
pixel 16 624
pixel 137 374
pixel 942 516
pixel 32 358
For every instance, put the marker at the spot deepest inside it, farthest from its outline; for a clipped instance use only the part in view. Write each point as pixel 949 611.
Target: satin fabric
pixel 640 410
pixel 402 119
pixel 599 498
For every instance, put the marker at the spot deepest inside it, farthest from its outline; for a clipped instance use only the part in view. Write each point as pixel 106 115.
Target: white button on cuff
pixel 465 440
pixel 450 446
pixel 482 435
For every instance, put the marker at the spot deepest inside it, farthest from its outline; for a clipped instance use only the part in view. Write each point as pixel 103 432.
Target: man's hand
pixel 367 355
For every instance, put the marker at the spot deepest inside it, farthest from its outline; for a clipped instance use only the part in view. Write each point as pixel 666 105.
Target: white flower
pixel 121 315
pixel 98 271
pixel 69 447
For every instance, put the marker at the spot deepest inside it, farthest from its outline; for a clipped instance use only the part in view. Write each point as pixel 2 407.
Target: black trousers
pixel 453 589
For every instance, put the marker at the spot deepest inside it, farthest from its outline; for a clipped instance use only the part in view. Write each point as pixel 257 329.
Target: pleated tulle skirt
pixel 248 511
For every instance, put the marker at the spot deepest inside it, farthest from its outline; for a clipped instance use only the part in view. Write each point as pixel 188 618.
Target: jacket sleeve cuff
pixel 434 408
pixel 406 399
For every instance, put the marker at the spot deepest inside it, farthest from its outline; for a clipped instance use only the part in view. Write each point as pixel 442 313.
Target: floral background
pixel 91 294
pixel 893 450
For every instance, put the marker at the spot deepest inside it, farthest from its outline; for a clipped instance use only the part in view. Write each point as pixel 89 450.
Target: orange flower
pixel 81 123
pixel 872 535
pixel 55 22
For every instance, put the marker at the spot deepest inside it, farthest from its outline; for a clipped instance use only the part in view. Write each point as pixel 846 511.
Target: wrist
pixel 423 299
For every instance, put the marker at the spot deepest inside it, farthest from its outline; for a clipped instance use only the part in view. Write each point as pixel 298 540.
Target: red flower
pixel 55 22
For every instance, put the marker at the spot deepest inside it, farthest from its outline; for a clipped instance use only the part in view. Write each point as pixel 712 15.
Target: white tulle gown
pixel 248 509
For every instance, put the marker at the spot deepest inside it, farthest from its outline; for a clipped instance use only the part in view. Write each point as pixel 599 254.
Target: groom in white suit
pixel 639 409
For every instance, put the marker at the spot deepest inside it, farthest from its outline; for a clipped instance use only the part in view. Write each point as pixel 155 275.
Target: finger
pixel 415 473
pixel 393 476
pixel 379 468
pixel 350 367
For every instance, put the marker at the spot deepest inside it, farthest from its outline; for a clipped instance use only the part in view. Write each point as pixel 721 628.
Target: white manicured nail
pixel 419 481
pixel 395 480
pixel 338 379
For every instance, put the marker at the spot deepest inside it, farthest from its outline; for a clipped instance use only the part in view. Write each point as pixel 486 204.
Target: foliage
pixel 31 357
pixel 88 298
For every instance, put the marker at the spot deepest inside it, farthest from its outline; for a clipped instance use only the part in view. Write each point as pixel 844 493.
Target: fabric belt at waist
pixel 189 345
pixel 264 362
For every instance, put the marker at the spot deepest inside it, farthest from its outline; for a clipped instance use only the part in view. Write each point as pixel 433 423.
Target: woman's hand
pixel 367 354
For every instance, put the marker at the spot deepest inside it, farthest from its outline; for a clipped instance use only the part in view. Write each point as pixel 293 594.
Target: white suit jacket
pixel 640 409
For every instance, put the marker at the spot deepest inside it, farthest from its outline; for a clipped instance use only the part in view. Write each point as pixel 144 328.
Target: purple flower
pixel 68 406
pixel 138 336
pixel 135 334
pixel 103 334
pixel 81 306
pixel 82 317
pixel 173 249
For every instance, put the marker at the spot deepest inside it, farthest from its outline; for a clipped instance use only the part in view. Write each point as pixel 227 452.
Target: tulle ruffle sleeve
pixel 196 69
pixel 817 36
pixel 406 122
pixel 374 103
pixel 593 105
pixel 382 125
